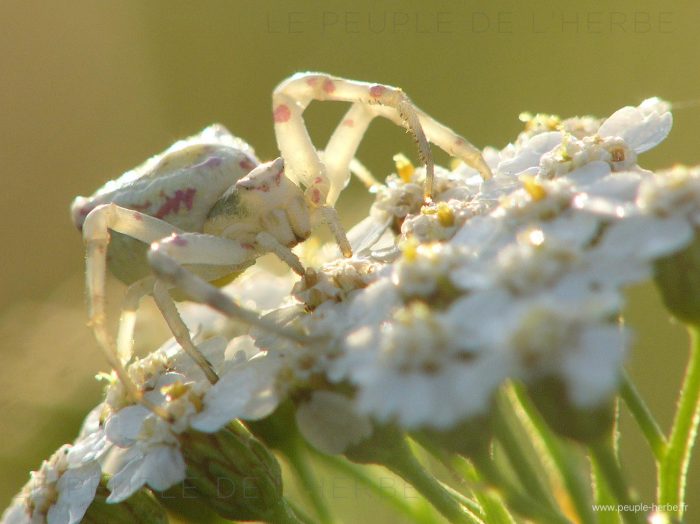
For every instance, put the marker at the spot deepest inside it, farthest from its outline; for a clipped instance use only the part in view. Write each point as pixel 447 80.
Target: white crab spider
pixel 197 215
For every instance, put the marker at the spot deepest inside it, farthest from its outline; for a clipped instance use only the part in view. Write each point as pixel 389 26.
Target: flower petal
pixel 330 422
pixel 76 489
pixel 641 127
pixel 124 426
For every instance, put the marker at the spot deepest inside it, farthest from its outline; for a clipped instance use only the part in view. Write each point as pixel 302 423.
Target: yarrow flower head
pixel 519 277
pixel 136 447
pixel 56 492
pixel 72 487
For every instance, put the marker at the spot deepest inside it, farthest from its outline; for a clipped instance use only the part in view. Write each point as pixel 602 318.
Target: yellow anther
pixel 414 311
pixel 404 167
pixel 196 402
pixel 563 152
pixel 175 390
pixel 445 215
pixel 533 188
pixel 541 121
pixel 410 250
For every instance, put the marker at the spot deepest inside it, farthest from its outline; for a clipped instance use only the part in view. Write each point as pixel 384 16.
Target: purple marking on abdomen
pixel 172 204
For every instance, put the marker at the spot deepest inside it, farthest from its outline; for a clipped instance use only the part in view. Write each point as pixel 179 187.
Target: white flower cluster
pixel 518 277
pixel 56 493
pixel 130 443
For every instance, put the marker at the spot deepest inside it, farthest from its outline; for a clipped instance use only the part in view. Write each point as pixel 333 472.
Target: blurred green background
pixel 89 89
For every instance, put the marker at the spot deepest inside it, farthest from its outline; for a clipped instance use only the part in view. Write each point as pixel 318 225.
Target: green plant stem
pixel 510 433
pixel 408 468
pixel 491 501
pixel 465 501
pixel 495 509
pixel 515 499
pixel 297 459
pixel 609 472
pixel 360 475
pixel 562 460
pixel 490 507
pixel 674 467
pixel 644 418
pixel 603 497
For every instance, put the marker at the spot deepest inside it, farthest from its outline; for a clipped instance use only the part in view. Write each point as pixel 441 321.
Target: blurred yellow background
pixel 89 89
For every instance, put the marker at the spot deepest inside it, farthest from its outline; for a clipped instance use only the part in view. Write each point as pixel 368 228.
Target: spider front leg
pixel 346 138
pixel 342 148
pixel 127 320
pixel 180 330
pixel 445 138
pixel 96 235
pixel 168 256
pixel 292 97
pixel 166 305
pixel 146 229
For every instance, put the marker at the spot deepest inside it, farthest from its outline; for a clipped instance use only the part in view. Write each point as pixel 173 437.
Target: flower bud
pixel 584 425
pixel 140 508
pixel 382 447
pixel 278 430
pixel 678 279
pixel 468 438
pixel 236 474
pixel 184 504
